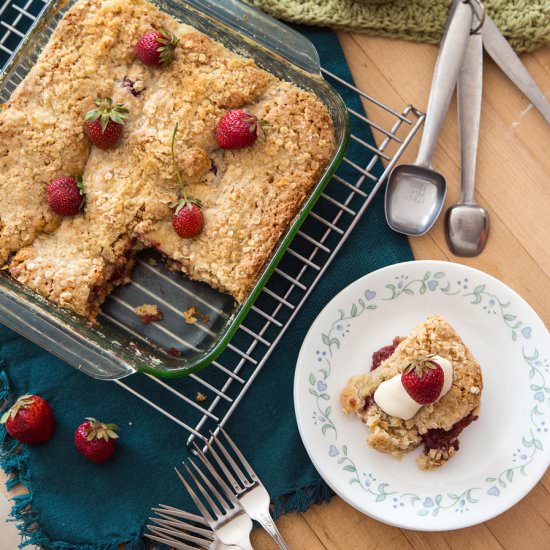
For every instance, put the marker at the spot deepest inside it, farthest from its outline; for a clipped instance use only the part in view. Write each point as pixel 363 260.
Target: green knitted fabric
pixel 526 23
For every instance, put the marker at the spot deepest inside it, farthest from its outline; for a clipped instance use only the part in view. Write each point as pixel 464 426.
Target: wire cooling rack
pixel 340 208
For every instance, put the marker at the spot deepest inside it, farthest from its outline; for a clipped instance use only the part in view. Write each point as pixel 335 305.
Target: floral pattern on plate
pixel 329 338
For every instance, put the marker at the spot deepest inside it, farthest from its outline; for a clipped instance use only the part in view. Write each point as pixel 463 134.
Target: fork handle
pixel 269 525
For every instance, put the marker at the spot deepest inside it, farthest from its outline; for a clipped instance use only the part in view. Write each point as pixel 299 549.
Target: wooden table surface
pixel 514 185
pixel 513 181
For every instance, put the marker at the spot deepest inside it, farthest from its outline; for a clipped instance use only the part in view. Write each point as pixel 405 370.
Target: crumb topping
pixel 249 196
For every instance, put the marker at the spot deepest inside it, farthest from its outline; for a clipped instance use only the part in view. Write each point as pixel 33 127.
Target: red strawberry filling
pixel 378 357
pixel 442 439
pixel 369 400
pixel 173 352
pixel 131 86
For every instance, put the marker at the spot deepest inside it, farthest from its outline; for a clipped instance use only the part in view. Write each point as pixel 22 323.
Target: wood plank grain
pixel 504 239
pixel 398 543
pixel 296 532
pixel 339 525
pixel 478 537
pixel 522 527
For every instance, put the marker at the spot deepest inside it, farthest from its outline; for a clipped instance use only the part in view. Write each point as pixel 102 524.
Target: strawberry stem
pixel 175 164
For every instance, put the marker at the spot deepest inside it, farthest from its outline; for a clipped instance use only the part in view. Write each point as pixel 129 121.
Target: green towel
pixel 75 504
pixel 525 23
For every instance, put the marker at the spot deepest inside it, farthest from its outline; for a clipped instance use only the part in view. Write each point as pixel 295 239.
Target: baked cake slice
pixel 436 426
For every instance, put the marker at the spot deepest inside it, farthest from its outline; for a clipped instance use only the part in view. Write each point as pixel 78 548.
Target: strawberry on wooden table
pixel 156 48
pixel 105 123
pixel 237 129
pixel 423 380
pixel 96 440
pixel 29 420
pixel 65 195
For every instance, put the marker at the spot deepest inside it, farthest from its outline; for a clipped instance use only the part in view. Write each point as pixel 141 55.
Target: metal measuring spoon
pixel 467 223
pixel 415 192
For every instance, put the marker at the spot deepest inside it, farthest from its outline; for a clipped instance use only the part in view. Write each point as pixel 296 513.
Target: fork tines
pixel 177 532
pixel 242 477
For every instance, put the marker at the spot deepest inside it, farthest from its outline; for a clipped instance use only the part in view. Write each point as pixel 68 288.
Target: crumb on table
pixel 152 262
pixel 200 397
pixel 148 313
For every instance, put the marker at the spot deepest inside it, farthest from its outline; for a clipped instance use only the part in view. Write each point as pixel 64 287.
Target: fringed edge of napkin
pixel 14 460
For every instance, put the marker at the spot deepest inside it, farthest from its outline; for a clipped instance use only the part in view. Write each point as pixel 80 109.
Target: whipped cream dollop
pixel 394 400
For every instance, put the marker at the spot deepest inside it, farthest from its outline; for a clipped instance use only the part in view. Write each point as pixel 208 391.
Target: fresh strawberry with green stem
pixel 156 48
pixel 66 195
pixel 237 129
pixel 106 122
pixel 423 380
pixel 187 220
pixel 29 420
pixel 96 440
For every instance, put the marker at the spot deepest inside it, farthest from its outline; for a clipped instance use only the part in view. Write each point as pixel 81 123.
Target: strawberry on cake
pixel 181 144
pixel 421 390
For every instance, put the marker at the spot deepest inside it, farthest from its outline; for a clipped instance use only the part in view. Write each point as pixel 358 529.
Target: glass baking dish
pixel 120 344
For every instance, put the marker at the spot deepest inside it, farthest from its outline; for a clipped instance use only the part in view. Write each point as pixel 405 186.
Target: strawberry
pixel 156 48
pixel 65 195
pixel 95 440
pixel 423 380
pixel 29 420
pixel 188 219
pixel 237 129
pixel 105 123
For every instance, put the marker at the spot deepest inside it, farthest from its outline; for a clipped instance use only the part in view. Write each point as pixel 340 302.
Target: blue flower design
pixel 370 295
pixel 493 491
pixel 428 502
pixel 432 285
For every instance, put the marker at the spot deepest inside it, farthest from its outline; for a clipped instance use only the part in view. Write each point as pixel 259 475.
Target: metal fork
pixel 177 533
pixel 230 524
pixel 251 493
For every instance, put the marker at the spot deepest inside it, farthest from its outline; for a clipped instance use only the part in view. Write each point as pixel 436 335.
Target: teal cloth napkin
pixel 75 504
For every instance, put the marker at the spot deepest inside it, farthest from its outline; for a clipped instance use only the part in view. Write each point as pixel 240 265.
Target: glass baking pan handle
pixel 263 29
pixel 91 359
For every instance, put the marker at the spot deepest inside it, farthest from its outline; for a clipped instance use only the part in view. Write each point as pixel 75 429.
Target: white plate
pixel 502 455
